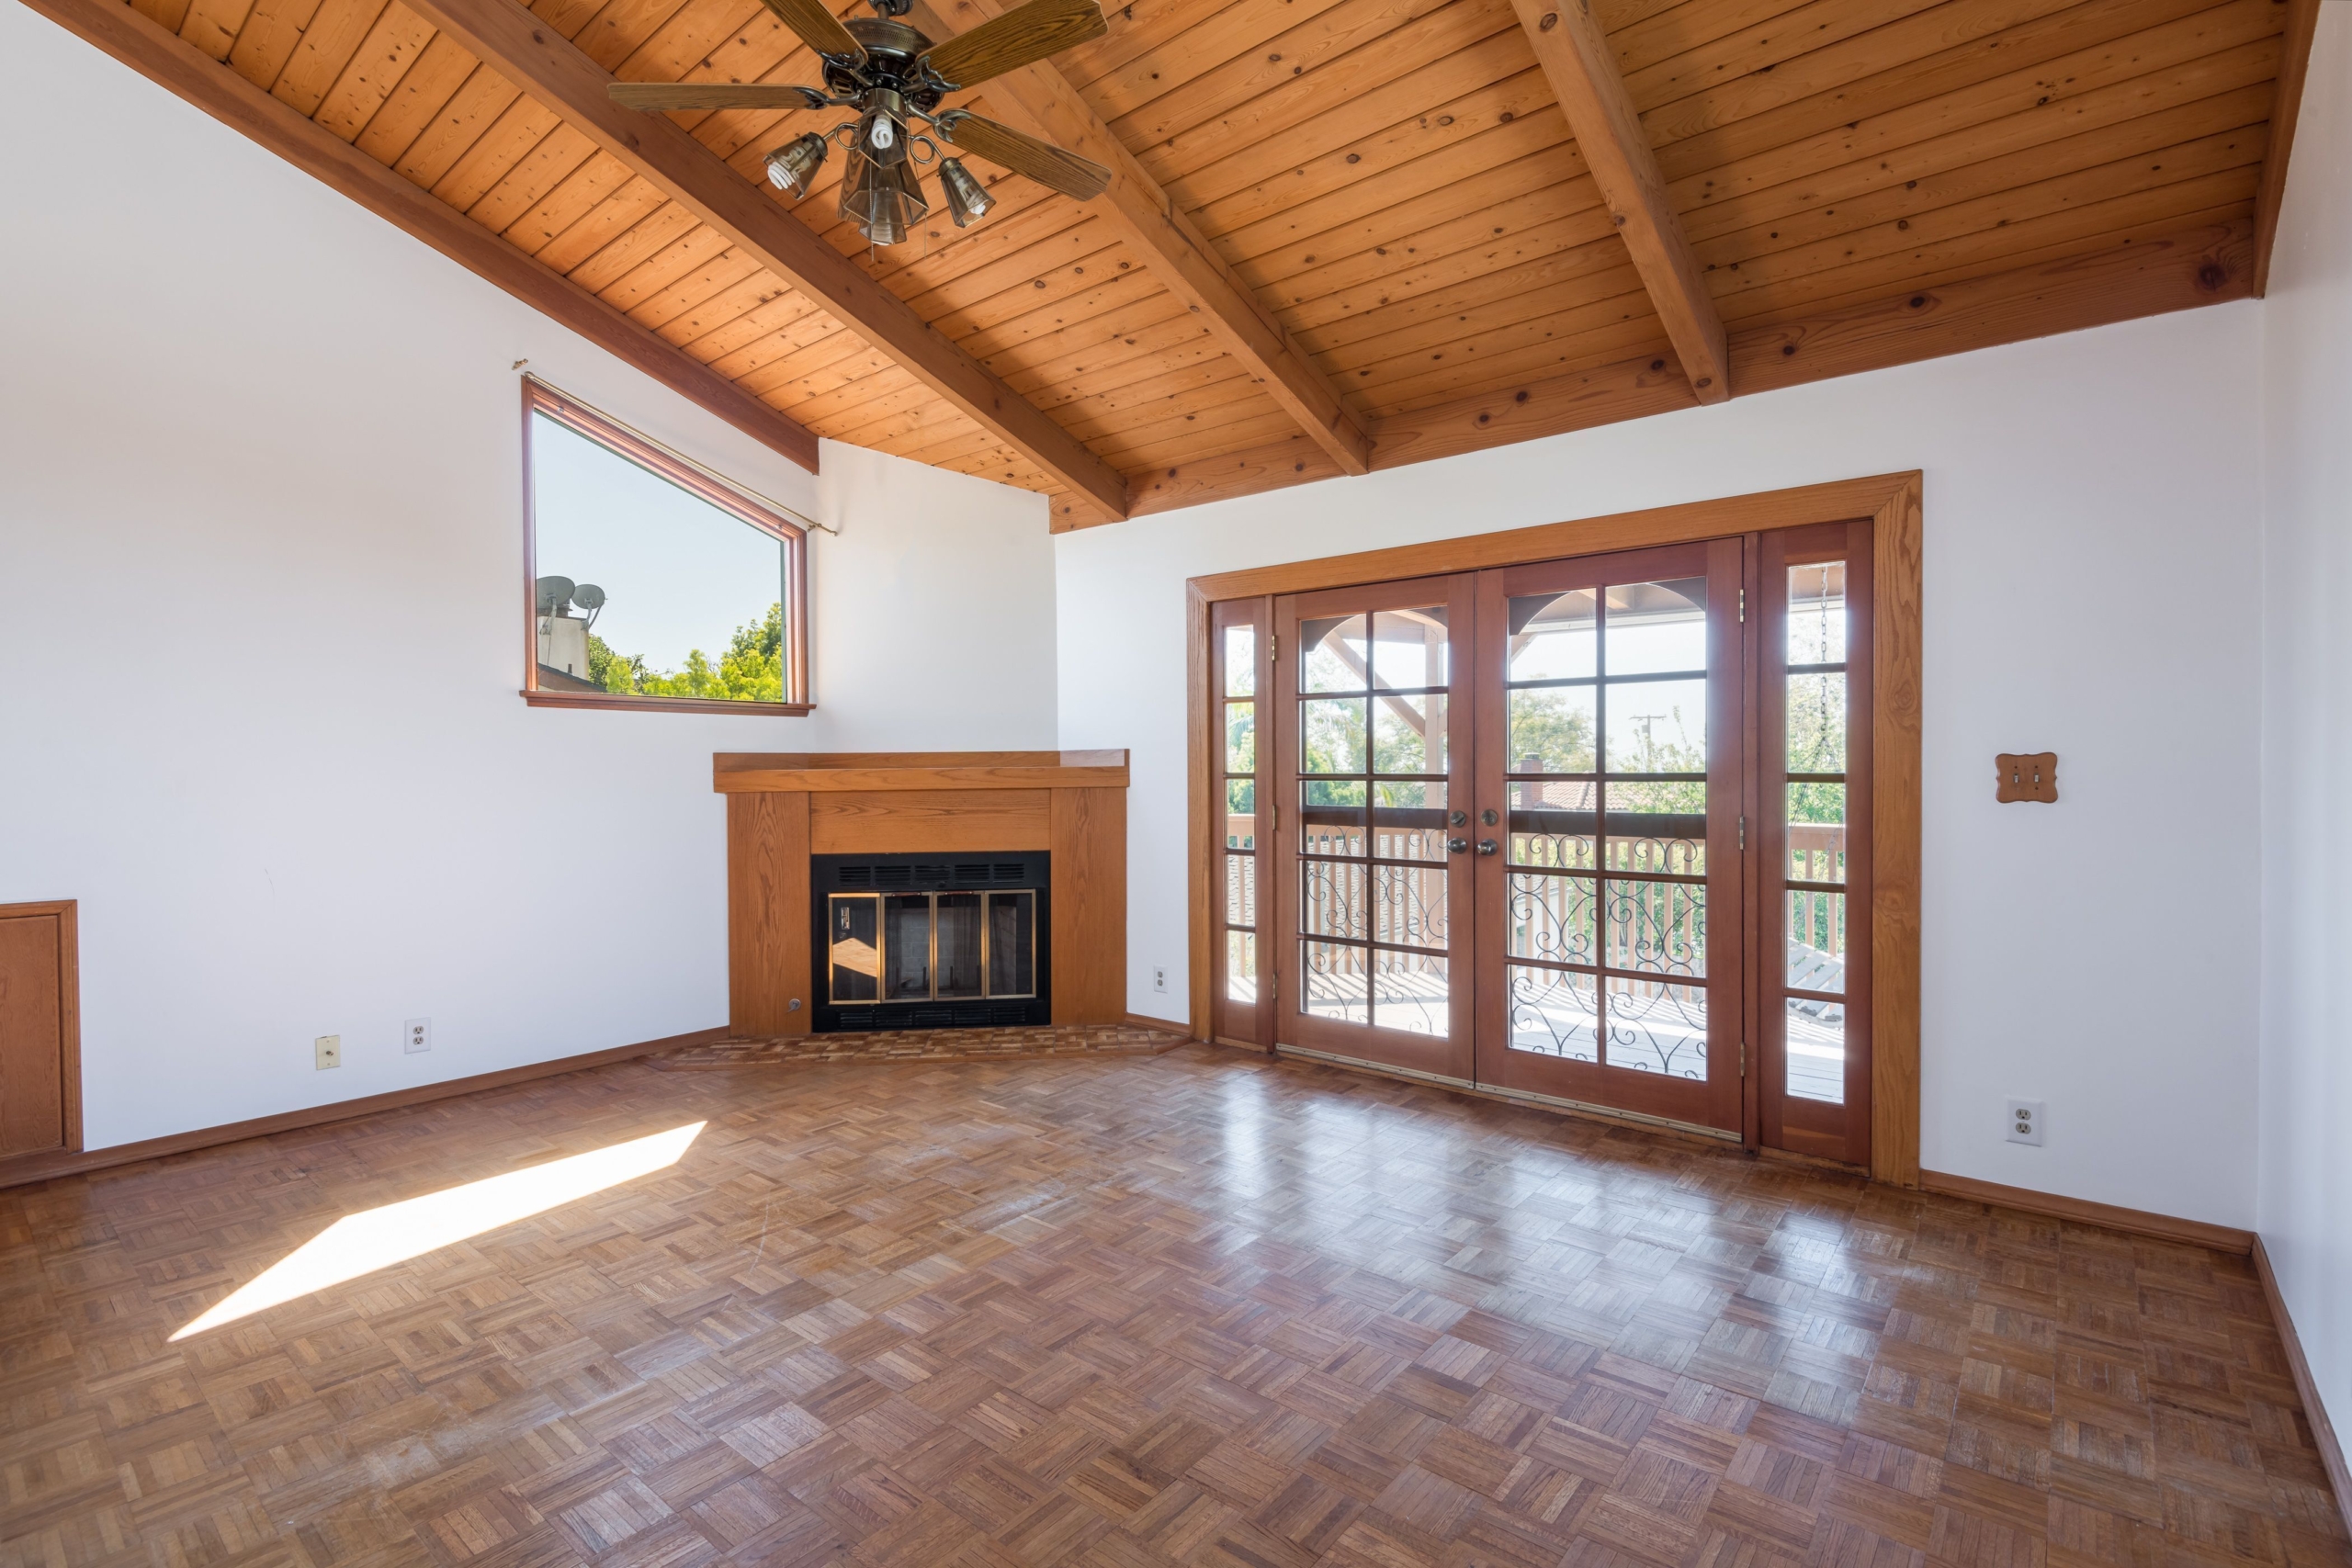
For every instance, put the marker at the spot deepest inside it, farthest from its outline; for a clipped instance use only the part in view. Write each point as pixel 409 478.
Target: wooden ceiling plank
pixel 121 32
pixel 1594 353
pixel 1449 99
pixel 603 200
pixel 562 76
pixel 166 14
pixel 1574 55
pixel 714 279
pixel 1919 199
pixel 1222 477
pixel 2003 249
pixel 1037 99
pixel 505 208
pixel 328 45
pixel 211 25
pixel 1233 425
pixel 2111 116
pixel 777 309
pixel 1345 220
pixel 1568 274
pixel 1147 27
pixel 1448 263
pixel 378 66
pixel 1146 382
pixel 441 71
pixel 2085 48
pixel 655 232
pixel 1229 33
pixel 472 109
pixel 2302 21
pixel 1541 346
pixel 272 32
pixel 702 321
pixel 1769 45
pixel 524 126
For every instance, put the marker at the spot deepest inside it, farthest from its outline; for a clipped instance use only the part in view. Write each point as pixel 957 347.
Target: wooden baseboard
pixel 1141 1021
pixel 2330 1452
pixel 26 1169
pixel 2136 1222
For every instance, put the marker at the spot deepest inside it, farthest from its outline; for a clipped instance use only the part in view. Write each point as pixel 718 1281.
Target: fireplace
pixel 930 940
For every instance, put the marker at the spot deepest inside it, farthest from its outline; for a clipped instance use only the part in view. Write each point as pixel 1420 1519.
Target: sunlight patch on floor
pixel 363 1242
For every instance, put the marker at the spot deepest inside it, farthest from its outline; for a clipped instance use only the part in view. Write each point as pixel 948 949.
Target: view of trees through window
pixel 647 588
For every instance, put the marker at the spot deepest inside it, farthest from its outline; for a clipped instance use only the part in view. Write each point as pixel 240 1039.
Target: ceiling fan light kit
pixel 894 76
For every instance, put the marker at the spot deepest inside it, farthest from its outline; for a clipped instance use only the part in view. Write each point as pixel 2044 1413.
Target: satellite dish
pixel 554 593
pixel 588 597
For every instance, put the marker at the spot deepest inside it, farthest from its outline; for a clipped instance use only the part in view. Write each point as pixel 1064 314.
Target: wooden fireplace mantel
pixel 784 806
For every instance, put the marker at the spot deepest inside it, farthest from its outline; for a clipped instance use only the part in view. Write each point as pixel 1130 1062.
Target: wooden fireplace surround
pixel 782 808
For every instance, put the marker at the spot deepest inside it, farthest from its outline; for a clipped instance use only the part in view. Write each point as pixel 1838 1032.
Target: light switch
pixel 2027 775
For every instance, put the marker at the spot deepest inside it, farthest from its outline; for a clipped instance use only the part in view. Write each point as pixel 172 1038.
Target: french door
pixel 1585 829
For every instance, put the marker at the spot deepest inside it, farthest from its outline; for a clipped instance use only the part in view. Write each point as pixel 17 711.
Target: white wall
pixel 2304 1206
pixel 246 428
pixel 2092 588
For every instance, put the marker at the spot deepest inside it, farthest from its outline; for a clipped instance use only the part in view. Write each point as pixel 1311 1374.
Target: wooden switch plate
pixel 2028 775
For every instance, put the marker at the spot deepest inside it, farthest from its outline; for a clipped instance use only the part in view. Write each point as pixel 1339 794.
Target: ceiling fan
pixel 891 75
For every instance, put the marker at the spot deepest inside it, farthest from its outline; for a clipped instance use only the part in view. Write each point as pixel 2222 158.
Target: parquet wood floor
pixel 1123 1311
pixel 923 1045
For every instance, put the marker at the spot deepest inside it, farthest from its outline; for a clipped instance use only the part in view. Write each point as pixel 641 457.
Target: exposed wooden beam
pixel 1574 54
pixel 2294 62
pixel 2206 265
pixel 561 76
pixel 187 72
pixel 1040 100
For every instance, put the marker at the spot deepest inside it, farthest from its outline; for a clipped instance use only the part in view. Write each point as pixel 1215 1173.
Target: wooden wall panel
pixel 916 821
pixel 41 1073
pixel 1090 906
pixel 767 913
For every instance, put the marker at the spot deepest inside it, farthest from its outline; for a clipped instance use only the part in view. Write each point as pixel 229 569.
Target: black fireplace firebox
pixel 930 940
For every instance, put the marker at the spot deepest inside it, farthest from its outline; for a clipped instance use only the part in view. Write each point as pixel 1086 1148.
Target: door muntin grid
pixel 1241 860
pixel 1811 988
pixel 1607 708
pixel 1373 765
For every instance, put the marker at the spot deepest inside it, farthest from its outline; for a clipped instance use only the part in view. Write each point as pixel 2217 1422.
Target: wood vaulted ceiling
pixel 1346 233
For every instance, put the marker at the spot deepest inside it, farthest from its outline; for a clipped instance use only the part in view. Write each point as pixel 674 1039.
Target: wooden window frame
pixel 1889 504
pixel 539 398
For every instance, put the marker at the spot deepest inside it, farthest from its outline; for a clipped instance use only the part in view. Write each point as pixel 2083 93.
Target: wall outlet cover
pixel 2025 1122
pixel 1159 978
pixel 327 1052
pixel 416 1034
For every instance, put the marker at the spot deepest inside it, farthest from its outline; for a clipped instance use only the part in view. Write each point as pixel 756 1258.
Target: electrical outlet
pixel 417 1035
pixel 2025 1122
pixel 328 1048
pixel 1159 979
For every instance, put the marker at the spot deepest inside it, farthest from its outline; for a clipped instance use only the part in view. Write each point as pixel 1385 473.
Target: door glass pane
pixel 1012 944
pixel 1408 906
pixel 1816 833
pixel 1552 1013
pixel 1241 814
pixel 1331 655
pixel 1331 735
pixel 959 944
pixel 1659 928
pixel 1818 614
pixel 1410 649
pixel 1241 890
pixel 1817 723
pixel 1409 992
pixel 906 946
pixel 1337 985
pixel 1658 1026
pixel 854 953
pixel 1816 1049
pixel 1657 726
pixel 1655 627
pixel 1409 832
pixel 1552 637
pixel 1408 735
pixel 1240 661
pixel 1241 966
pixel 1242 738
pixel 1658 825
pixel 1816 942
pixel 1552 918
pixel 1552 730
pixel 1549 836
pixel 1332 899
pixel 1332 829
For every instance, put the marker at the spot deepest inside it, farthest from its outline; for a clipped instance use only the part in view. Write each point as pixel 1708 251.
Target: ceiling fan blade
pixel 1041 160
pixel 711 95
pixel 1021 37
pixel 816 27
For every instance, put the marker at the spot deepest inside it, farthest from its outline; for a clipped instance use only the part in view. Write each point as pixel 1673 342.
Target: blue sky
pixel 677 572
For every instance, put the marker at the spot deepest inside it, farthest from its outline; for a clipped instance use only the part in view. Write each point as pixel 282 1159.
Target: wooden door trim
pixel 1891 503
pixel 69 1023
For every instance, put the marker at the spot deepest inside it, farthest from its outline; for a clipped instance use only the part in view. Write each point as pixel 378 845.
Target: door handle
pixel 1456 846
pixel 1486 846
